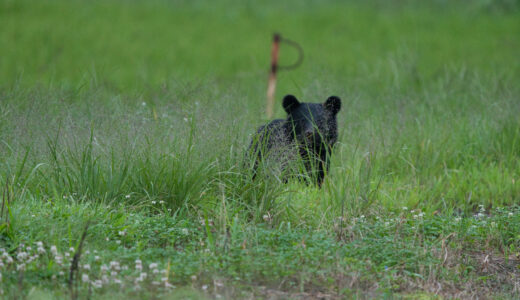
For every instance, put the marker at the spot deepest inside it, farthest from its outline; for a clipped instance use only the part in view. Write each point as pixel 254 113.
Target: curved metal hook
pixel 300 54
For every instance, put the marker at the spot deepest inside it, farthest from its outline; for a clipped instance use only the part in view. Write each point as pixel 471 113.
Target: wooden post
pixel 271 87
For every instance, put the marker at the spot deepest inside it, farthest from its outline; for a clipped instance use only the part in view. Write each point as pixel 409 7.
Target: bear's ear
pixel 289 103
pixel 333 104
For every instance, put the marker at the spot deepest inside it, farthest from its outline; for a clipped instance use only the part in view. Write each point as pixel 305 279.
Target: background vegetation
pixel 136 115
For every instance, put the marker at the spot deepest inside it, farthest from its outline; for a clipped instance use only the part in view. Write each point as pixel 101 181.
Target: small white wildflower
pixel 87 252
pixel 71 249
pixel 41 250
pixel 164 279
pixel 156 282
pixel 155 271
pixel 20 267
pixel 104 268
pixel 21 256
pixel 39 244
pixel 153 202
pixel 143 103
pixel 185 119
pixel 193 277
pixel 84 278
pixel 204 287
pixel 118 242
pixel 124 268
pixel 117 281
pixel 97 284
pixel 122 232
pixel 54 250
pixel 97 258
pixel 127 196
pixel 185 231
pixel 61 273
pixel 153 265
pixel 405 208
pixel 510 214
pixel 113 273
pixel 86 266
pixel 114 265
pixel 161 202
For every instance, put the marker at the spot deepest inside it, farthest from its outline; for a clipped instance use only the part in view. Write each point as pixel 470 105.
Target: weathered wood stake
pixel 271 87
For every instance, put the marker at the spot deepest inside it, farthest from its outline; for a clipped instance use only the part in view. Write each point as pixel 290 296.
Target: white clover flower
pixel 153 202
pixel 104 268
pixel 84 278
pixel 20 267
pixel 54 250
pixel 204 287
pixel 138 261
pixel 193 277
pixel 153 265
pixel 127 196
pixel 113 273
pixel 96 258
pixel 105 279
pixel 86 266
pixel 71 249
pixel 41 250
pixel 97 284
pixel 405 208
pixel 118 281
pixel 21 256
pixel 161 202
pixel 510 214
pixel 164 279
pixel 39 244
pixel 122 232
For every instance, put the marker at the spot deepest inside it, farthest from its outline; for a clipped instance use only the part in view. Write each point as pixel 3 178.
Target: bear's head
pixel 313 124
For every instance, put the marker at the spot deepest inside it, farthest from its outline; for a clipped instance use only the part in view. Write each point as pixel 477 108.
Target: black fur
pixel 309 131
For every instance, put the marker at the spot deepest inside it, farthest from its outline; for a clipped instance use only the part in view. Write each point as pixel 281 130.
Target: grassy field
pixel 126 122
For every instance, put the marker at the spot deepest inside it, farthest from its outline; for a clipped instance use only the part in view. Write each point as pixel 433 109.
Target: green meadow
pixel 124 127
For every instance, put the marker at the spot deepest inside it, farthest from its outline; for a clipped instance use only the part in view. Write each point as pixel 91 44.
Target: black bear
pixel 309 132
